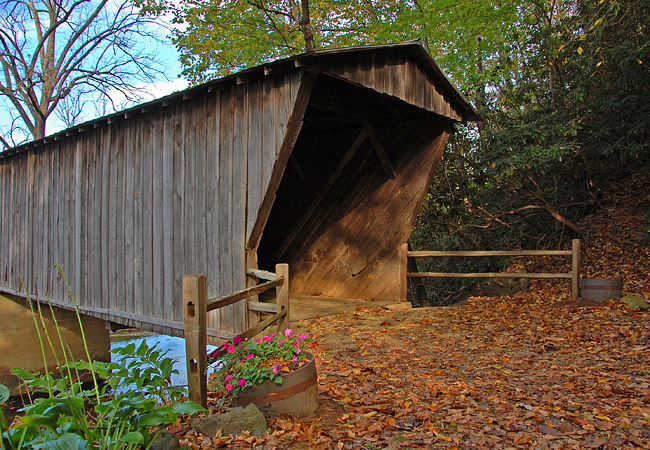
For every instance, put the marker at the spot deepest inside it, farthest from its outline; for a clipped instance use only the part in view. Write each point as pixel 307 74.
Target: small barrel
pixel 297 395
pixel 598 290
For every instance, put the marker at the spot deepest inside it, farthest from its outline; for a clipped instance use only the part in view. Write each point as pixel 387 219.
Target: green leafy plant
pixel 148 370
pixel 123 412
pixel 136 396
pixel 247 363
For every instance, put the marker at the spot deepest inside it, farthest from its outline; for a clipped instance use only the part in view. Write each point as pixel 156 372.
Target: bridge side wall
pixel 129 206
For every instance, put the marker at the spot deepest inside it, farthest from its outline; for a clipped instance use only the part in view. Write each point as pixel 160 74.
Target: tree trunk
pixel 305 27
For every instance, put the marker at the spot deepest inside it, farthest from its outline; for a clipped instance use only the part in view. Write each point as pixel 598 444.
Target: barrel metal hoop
pixel 280 395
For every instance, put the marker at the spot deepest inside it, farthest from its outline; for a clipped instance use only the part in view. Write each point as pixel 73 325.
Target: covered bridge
pixel 321 160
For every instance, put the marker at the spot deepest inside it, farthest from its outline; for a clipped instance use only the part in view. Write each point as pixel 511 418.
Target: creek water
pixel 174 346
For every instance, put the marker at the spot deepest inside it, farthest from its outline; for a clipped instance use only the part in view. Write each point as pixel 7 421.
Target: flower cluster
pixel 250 362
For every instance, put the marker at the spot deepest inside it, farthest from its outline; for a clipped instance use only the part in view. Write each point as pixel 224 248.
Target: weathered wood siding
pixel 398 75
pixel 128 207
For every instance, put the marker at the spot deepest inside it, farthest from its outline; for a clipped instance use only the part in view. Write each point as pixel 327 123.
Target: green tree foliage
pixel 220 37
pixel 566 112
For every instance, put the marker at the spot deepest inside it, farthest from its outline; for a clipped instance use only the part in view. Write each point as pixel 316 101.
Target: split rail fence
pixel 197 306
pixel 573 275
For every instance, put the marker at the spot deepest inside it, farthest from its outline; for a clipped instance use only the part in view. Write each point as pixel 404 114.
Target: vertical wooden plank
pixel 167 219
pixel 240 189
pixel 128 214
pixel 98 149
pixel 282 109
pixel 255 155
pixel 116 225
pixel 77 237
pixel 226 202
pixel 157 288
pixel 69 219
pixel 200 225
pixel 16 225
pixel 4 223
pixel 212 201
pixel 575 267
pixel 37 226
pixel 54 222
pixel 190 210
pixel 87 239
pixel 195 310
pixel 179 199
pixel 105 202
pixel 282 293
pixel 145 248
pixel 271 146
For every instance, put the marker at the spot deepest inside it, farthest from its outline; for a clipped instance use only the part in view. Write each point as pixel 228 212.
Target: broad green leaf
pixel 65 442
pixel 4 393
pixel 187 407
pixel 133 437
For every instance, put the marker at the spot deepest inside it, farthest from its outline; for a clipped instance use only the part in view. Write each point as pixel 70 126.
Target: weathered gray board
pixel 129 203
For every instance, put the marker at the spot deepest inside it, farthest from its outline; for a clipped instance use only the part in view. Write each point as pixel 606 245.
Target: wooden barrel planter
pixel 296 396
pixel 598 290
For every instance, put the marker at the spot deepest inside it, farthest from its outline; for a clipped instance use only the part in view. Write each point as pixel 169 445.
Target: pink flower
pixel 258 340
pixel 298 352
pixel 229 387
pixel 242 382
pixel 249 356
pixel 267 339
pixel 236 340
pixel 296 344
pixel 231 349
pixel 288 332
pixel 295 358
pixel 225 344
pixel 228 377
pixel 302 336
pixel 275 369
pixel 281 342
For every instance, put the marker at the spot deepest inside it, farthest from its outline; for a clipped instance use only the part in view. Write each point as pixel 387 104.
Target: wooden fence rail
pixel 574 274
pixel 197 306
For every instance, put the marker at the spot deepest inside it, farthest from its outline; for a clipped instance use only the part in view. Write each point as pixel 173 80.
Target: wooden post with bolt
pixel 195 295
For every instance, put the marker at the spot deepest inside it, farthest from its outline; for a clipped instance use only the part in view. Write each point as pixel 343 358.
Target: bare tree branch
pixel 53 49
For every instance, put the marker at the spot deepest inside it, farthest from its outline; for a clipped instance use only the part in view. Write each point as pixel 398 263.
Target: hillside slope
pixel 616 240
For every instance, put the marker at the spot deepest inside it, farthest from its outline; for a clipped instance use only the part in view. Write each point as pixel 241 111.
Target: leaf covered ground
pixel 539 369
pixel 525 371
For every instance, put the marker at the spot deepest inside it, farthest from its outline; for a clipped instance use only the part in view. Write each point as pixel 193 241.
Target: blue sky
pixel 167 55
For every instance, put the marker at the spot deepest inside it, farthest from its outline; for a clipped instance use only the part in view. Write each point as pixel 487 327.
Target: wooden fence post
pixel 403 265
pixel 195 296
pixel 282 293
pixel 575 267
